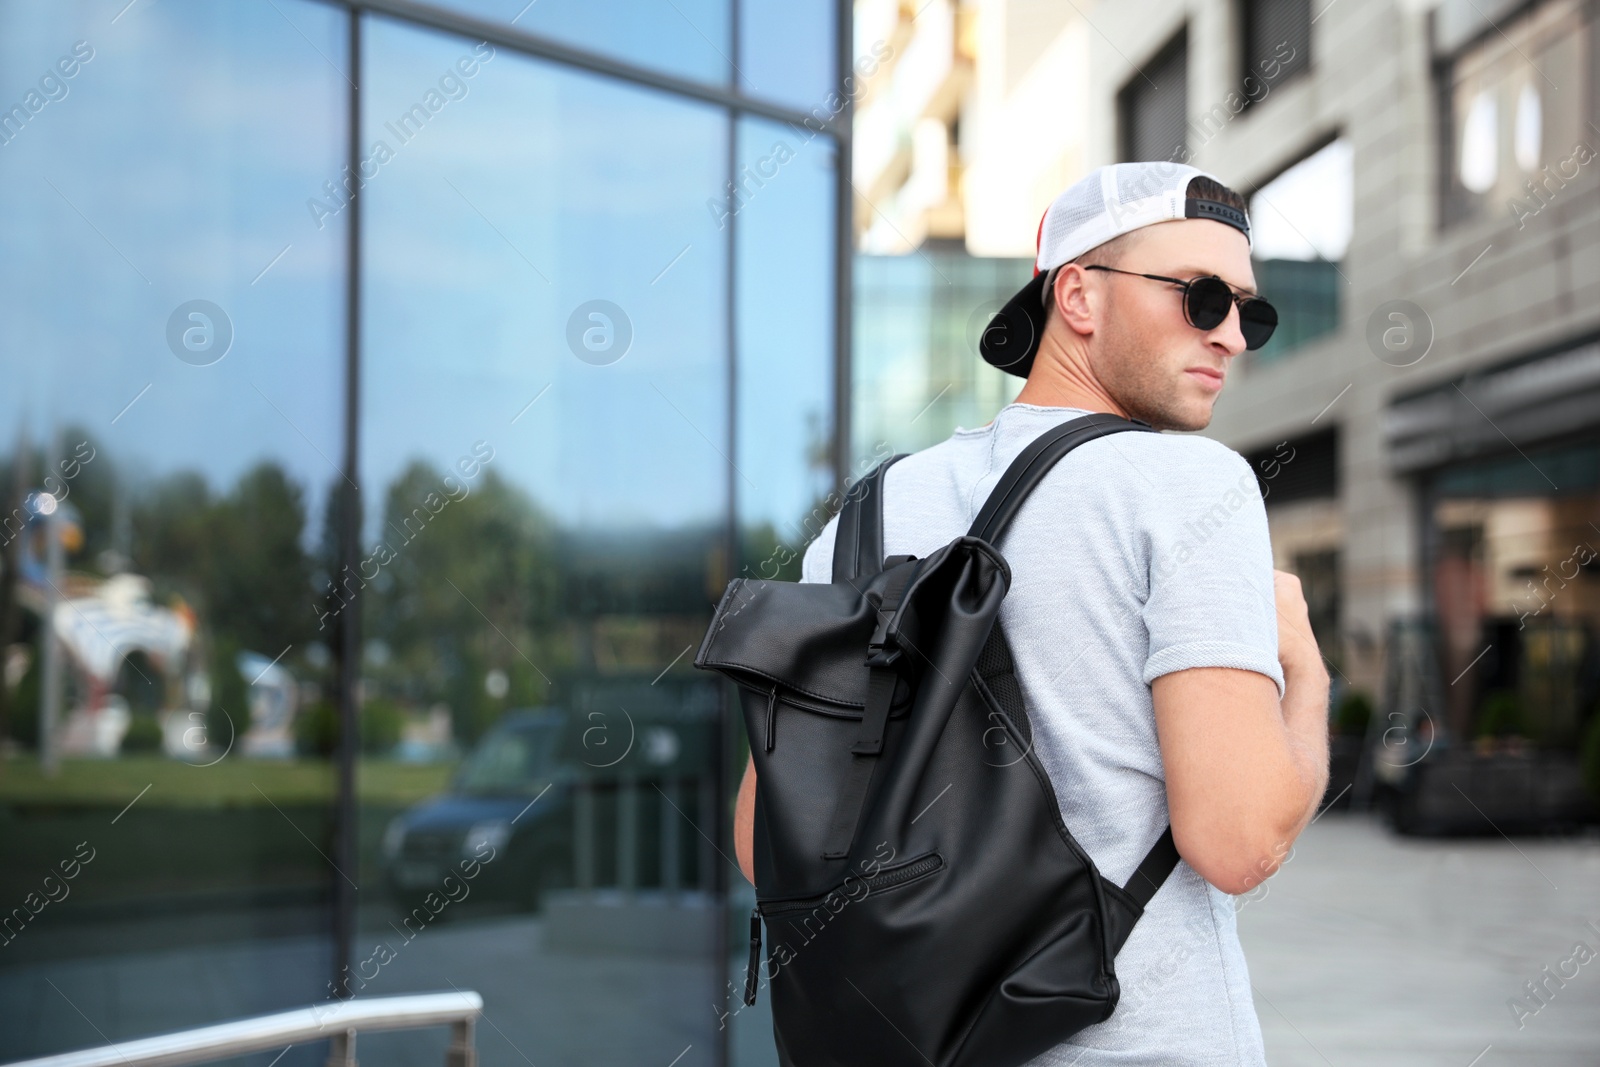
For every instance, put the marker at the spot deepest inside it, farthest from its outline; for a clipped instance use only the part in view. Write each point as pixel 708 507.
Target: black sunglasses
pixel 1206 302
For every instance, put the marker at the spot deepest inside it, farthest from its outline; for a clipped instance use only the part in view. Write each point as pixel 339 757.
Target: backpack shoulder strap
pixel 1004 502
pixel 858 539
pixel 1153 869
pixel 1033 462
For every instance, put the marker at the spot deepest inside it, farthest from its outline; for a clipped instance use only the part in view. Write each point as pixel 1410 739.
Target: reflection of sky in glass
pixel 785 321
pixel 786 52
pixel 194 148
pixel 688 38
pixel 1307 211
pixel 539 190
pixel 176 168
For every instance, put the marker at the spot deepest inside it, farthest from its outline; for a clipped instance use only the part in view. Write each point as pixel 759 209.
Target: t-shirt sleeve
pixel 1211 601
pixel 817 563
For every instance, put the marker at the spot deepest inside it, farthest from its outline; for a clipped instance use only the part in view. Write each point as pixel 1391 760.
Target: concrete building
pixel 1426 424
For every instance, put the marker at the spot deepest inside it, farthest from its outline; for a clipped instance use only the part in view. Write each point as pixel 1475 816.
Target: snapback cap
pixel 1107 202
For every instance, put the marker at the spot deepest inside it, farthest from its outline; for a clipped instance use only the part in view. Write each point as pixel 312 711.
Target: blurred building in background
pixel 1425 423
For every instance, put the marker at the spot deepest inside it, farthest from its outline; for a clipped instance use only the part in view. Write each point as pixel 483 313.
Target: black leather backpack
pixel 925 904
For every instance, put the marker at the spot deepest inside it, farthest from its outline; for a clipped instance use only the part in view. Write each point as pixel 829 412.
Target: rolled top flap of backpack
pixel 813 637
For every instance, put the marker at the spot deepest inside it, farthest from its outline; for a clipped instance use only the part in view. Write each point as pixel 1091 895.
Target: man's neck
pixel 1062 378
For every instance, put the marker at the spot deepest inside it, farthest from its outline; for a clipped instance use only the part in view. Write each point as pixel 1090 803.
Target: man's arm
pixel 744 823
pixel 1246 770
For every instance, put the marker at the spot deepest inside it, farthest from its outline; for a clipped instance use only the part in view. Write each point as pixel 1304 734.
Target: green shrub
pixel 228 716
pixel 316 729
pixel 1590 754
pixel 1501 715
pixel 23 719
pixel 381 721
pixel 144 734
pixel 1353 715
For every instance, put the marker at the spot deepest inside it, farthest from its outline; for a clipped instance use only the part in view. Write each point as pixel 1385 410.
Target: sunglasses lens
pixel 1209 301
pixel 1257 320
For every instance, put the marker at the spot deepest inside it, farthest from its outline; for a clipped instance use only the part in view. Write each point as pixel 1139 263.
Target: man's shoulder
pixel 1165 466
pixel 1187 448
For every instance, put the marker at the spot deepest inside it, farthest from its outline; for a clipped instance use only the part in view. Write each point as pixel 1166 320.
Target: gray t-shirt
pixel 1137 555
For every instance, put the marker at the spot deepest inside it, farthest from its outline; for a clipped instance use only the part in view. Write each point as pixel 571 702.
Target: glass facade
pixel 686 38
pixel 918 375
pixel 452 430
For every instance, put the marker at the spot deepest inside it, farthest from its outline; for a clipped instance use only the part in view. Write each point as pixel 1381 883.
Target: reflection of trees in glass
pixel 463 580
pixel 261 575
pixel 470 597
pixel 235 560
pixel 239 557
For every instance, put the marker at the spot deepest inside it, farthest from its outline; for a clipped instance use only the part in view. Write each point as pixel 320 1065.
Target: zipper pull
pixel 772 709
pixel 755 958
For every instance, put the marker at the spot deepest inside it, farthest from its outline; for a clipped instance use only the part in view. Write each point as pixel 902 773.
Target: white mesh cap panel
pixel 1110 201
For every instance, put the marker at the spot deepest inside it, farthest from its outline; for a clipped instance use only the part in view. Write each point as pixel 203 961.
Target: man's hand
pixel 1298 654
pixel 1305 688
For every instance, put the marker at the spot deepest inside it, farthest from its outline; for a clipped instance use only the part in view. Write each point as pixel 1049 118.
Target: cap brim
pixel 1012 336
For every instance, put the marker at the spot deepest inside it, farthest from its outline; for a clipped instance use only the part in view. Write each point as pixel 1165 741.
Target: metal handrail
pixel 339 1020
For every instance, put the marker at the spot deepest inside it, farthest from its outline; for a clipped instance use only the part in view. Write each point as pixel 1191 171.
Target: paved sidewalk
pixel 1369 948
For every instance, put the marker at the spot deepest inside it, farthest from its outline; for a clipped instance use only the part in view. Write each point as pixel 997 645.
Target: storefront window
pixel 1516 581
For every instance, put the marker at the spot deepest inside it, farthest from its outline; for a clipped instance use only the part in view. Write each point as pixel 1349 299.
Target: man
pixel 1169 673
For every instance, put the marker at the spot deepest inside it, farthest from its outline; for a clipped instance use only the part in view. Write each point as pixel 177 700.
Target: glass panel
pixel 544 468
pixel 689 38
pixel 785 317
pixel 917 373
pixel 1302 221
pixel 171 329
pixel 1519 613
pixel 787 53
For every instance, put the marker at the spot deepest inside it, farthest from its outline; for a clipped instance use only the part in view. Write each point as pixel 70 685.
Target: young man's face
pixel 1145 353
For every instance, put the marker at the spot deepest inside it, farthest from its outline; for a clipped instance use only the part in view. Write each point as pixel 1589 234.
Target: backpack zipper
pixel 885 879
pixel 755 958
pixel 772 709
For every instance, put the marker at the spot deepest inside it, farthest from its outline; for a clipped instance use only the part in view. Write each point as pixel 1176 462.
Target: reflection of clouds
pixel 222 120
pixel 629 172
pixel 211 119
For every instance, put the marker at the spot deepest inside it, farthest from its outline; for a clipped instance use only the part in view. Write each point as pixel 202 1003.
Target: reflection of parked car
pixel 510 800
pixel 632 763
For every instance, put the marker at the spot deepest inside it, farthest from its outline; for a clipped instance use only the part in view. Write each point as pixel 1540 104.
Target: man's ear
pixel 1074 304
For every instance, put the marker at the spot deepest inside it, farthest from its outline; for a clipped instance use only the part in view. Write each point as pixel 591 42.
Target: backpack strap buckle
pixel 882 654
